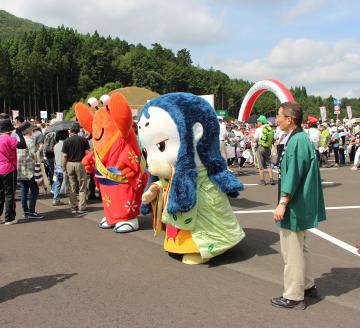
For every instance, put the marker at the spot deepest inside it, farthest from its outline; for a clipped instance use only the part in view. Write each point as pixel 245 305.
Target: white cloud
pixel 304 7
pixel 322 69
pixel 183 23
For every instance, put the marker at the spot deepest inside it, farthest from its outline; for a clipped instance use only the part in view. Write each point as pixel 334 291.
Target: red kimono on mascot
pixel 116 161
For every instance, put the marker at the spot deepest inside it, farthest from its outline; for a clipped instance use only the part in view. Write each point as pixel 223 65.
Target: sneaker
pixel 272 182
pixel 354 168
pixel 311 292
pixel 11 222
pixel 74 210
pixel 262 183
pixel 284 303
pixel 57 203
pixel 81 212
pixel 35 215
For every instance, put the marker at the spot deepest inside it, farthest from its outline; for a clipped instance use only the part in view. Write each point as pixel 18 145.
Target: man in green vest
pixel 301 207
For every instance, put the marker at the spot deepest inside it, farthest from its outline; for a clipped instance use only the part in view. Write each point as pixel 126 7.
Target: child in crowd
pixel 59 171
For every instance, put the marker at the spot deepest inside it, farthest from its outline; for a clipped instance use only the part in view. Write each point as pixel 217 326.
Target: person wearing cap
pixel 335 143
pixel 230 144
pixel 222 137
pixel 263 137
pixel 26 159
pixel 314 135
pixel 8 167
pixel 324 143
pixel 58 171
pixel 342 144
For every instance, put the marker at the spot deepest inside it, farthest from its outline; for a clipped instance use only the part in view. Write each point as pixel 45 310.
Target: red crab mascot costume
pixel 116 161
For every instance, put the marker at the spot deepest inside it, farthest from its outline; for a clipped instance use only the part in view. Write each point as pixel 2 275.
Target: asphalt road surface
pixel 63 271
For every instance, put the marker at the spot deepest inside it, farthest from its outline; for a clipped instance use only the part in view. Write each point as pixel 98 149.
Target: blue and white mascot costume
pixel 189 187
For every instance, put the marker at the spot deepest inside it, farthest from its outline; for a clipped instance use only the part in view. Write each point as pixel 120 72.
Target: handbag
pixel 38 174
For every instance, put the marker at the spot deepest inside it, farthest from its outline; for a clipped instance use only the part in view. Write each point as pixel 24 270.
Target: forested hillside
pixel 50 69
pixel 11 25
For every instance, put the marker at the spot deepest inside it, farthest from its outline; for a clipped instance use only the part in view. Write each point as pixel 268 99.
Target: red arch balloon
pixel 279 89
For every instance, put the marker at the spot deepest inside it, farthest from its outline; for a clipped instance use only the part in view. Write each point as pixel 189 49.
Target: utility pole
pixel 57 90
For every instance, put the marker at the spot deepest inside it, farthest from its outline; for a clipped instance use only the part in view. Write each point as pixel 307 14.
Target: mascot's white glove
pixel 149 195
pixel 160 169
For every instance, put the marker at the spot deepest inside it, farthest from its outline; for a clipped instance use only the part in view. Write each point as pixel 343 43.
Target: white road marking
pixel 253 212
pixel 256 184
pixel 341 207
pixel 272 211
pixel 335 241
pixel 318 232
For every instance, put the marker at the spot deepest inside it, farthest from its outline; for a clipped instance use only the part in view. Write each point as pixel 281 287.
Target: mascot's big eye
pixel 162 145
pixel 93 103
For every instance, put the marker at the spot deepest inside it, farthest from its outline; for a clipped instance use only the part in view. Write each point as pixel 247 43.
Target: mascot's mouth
pixel 101 134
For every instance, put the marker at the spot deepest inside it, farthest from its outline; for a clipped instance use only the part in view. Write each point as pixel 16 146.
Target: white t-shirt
pixel 258 133
pixel 223 131
pixel 315 137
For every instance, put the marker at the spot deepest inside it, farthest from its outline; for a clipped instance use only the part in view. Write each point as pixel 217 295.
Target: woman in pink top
pixel 8 167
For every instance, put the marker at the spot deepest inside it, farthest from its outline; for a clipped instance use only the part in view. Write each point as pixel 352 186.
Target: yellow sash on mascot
pixel 115 176
pixel 106 173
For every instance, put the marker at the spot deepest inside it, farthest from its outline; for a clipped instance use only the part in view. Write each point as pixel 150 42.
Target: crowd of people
pixel 261 144
pixel 32 159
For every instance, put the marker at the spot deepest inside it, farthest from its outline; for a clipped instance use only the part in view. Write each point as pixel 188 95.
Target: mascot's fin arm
pixel 121 113
pixel 85 116
pixel 146 208
pixel 134 142
pixel 182 196
pixel 227 183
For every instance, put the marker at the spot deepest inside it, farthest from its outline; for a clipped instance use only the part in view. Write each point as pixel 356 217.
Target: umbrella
pixel 60 126
pixel 252 119
pixel 272 121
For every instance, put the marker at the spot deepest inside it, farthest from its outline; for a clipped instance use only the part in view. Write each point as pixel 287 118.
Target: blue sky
pixel 315 43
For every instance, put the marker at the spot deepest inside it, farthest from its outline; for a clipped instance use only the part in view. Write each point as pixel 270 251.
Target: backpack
pixel 49 142
pixel 267 137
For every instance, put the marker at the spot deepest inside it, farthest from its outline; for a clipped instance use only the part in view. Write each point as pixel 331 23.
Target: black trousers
pixel 7 195
pixel 91 186
pixel 336 153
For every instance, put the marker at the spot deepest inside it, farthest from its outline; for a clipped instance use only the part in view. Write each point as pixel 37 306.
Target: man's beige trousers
pixel 297 276
pixel 77 180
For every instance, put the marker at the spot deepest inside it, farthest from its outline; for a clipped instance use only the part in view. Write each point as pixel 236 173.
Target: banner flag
pixel 323 113
pixel 43 114
pixel 349 112
pixel 15 113
pixel 59 116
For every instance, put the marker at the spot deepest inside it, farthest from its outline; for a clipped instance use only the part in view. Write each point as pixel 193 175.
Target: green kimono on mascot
pixel 190 184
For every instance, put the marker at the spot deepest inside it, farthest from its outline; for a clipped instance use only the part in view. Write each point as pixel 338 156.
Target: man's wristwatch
pixel 282 202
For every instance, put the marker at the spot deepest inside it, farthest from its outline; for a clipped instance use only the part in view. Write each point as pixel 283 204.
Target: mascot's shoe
pixel 193 258
pixel 104 225
pixel 127 226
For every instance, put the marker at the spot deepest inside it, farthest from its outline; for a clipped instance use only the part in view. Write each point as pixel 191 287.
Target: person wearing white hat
pixel 335 143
